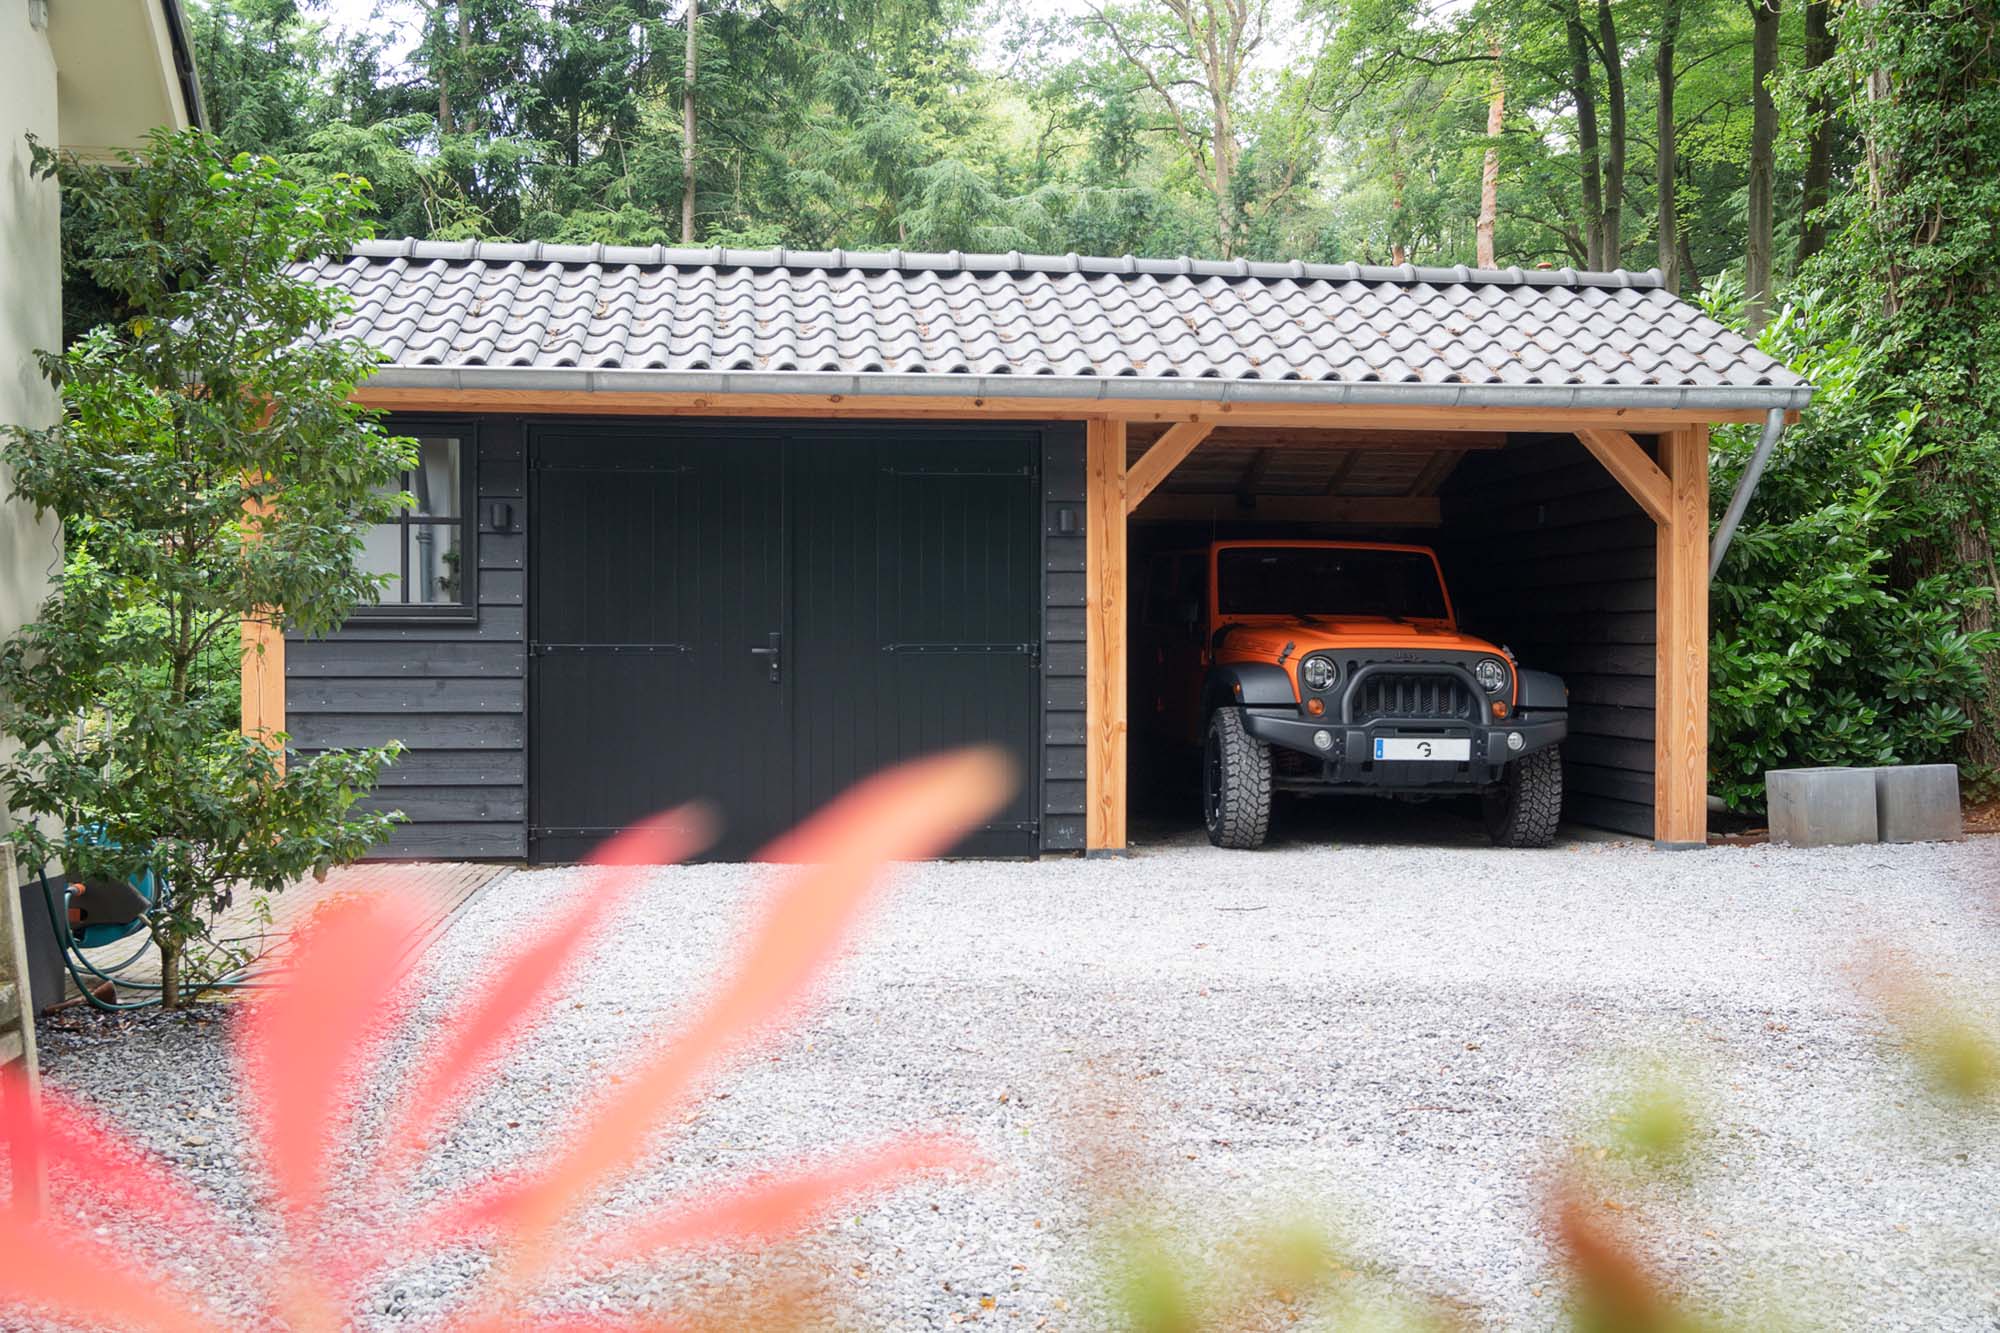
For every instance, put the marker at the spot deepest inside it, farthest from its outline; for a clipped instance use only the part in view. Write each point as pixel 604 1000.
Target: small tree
pixel 209 469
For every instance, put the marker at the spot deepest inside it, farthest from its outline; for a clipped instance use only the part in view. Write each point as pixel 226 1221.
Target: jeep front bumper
pixel 1348 757
pixel 1341 752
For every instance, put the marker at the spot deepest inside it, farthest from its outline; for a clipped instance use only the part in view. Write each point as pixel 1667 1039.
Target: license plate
pixel 1446 749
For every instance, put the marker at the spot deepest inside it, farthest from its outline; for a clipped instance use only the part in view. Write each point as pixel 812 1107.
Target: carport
pixel 1546 431
pixel 1544 550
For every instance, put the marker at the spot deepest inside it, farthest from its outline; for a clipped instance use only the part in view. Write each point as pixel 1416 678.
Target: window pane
pixel 381 553
pixel 435 481
pixel 435 576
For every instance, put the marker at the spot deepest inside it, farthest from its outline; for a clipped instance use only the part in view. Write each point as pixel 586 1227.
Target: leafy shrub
pixel 1821 655
pixel 209 469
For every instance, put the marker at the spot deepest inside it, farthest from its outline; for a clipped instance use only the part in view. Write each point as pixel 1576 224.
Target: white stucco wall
pixel 30 300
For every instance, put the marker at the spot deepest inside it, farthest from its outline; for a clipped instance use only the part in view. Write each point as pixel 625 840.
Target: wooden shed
pixel 750 524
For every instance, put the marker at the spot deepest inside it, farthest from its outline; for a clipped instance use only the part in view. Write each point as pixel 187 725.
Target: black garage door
pixel 760 616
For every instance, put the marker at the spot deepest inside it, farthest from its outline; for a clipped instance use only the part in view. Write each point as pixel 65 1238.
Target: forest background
pixel 1826 176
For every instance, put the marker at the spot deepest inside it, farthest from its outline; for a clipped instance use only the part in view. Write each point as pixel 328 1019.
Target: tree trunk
pixel 1690 276
pixel 441 70
pixel 1399 223
pixel 1763 154
pixel 1225 177
pixel 1613 244
pixel 1489 174
pixel 170 973
pixel 687 131
pixel 1666 165
pixel 1819 153
pixel 1583 87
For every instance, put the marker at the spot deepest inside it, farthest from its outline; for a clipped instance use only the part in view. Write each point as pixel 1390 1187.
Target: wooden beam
pixel 887 407
pixel 1369 511
pixel 1434 472
pixel 1167 453
pixel 1104 636
pixel 1625 460
pixel 1343 466
pixel 1253 476
pixel 1379 441
pixel 1680 682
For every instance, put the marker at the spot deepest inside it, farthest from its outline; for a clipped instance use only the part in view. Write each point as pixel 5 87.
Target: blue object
pixel 111 911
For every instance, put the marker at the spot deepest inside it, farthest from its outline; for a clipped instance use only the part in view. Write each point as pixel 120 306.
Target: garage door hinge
pixel 1031 650
pixel 551 649
pixel 959 472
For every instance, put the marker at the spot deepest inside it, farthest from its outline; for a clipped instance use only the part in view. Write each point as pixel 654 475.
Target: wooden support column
pixel 262 643
pixel 263 682
pixel 1680 724
pixel 1104 636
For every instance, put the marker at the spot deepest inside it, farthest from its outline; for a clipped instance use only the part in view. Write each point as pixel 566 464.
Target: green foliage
pixel 1821 656
pixel 1854 617
pixel 218 393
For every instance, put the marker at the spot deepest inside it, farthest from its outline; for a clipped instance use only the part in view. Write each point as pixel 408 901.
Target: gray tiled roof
pixel 508 315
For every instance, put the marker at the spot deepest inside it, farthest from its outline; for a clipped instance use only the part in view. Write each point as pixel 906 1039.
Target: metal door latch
pixel 774 651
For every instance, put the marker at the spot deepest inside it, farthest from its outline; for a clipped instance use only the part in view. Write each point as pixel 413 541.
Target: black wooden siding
pixel 1548 555
pixel 456 694
pixel 1063 657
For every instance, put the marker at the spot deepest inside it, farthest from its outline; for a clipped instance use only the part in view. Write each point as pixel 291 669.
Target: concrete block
pixel 1821 807
pixel 1918 803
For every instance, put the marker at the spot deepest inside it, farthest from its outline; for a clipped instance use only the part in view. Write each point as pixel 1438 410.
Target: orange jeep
pixel 1319 666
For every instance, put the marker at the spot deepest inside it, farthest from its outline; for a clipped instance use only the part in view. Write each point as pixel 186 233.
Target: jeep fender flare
pixel 1252 684
pixel 1542 691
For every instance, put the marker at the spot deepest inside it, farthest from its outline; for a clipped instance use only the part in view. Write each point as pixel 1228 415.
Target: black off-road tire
pixel 1235 783
pixel 1525 808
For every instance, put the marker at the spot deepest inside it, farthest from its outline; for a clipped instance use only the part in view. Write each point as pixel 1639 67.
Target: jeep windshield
pixel 1327 581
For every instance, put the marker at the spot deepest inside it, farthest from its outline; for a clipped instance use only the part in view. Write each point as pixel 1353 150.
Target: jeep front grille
pixel 1443 698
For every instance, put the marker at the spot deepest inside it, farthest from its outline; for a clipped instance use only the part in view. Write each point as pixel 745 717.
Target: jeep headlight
pixel 1318 673
pixel 1491 673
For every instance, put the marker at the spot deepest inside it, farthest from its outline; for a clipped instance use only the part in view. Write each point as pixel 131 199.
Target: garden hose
pixel 76 964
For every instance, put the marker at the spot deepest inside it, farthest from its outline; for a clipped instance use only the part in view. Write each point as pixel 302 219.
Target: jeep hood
pixel 1267 638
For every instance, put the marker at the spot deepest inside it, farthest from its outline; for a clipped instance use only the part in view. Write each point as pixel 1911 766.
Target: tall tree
pixel 1489 171
pixel 1666 135
pixel 1819 132
pixel 1583 94
pixel 687 128
pixel 1193 55
pixel 1611 243
pixel 1759 237
pixel 1920 247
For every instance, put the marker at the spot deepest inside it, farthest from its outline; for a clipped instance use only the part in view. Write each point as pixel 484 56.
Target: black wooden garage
pixel 746 526
pixel 759 615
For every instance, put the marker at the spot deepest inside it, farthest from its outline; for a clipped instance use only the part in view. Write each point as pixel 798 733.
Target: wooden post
pixel 1104 637
pixel 261 639
pixel 264 681
pixel 1680 725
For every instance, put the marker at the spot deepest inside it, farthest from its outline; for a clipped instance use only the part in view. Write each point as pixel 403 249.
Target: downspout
pixel 1746 487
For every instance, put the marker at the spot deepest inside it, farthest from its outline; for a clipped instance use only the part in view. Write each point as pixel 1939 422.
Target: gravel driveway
pixel 1401 1038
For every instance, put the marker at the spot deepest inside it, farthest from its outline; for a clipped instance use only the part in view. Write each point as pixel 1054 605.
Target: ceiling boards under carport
pixel 1371 478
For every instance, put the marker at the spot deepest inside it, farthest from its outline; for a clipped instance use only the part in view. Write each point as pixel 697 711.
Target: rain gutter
pixel 1746 488
pixel 1776 399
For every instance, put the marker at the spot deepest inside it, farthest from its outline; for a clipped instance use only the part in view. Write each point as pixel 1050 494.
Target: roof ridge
pixel 1014 261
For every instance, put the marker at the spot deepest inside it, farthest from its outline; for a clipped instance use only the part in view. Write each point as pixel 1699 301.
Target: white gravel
pixel 1401 1038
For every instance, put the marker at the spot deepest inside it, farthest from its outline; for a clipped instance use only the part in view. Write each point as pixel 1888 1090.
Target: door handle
pixel 775 651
